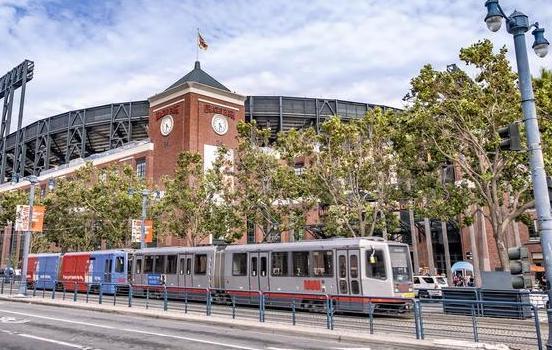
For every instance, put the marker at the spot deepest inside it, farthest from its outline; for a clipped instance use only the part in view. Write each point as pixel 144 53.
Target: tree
pixel 456 118
pixel 543 96
pixel 195 204
pixel 92 206
pixel 351 169
pixel 268 193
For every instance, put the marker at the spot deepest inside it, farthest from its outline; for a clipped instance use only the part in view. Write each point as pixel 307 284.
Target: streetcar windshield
pixel 400 263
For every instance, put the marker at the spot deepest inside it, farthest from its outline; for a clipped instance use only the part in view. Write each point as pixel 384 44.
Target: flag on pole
pixel 201 43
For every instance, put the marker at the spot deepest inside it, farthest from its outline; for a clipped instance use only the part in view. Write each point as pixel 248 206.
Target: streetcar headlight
pixel 396 290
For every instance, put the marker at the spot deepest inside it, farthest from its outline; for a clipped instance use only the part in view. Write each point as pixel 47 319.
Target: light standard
pixel 145 195
pixel 517 24
pixel 27 240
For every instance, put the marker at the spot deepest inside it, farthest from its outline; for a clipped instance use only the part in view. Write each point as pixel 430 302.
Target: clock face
pixel 167 123
pixel 219 124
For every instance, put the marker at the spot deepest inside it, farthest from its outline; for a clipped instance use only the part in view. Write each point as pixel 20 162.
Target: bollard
pixel 371 316
pixel 537 326
pixel 293 321
pixel 233 307
pixel 101 294
pixel 474 324
pixel 129 295
pixel 185 301
pixel 165 299
pixel 75 293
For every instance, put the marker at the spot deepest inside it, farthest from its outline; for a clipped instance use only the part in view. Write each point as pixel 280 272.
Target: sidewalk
pixel 267 327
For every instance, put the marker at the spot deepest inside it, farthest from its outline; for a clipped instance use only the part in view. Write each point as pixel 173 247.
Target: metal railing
pixel 420 319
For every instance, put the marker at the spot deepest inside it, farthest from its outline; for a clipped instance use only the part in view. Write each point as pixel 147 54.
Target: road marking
pixel 12 320
pixel 133 331
pixel 58 342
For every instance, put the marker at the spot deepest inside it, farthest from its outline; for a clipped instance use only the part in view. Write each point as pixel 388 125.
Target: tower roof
pixel 199 76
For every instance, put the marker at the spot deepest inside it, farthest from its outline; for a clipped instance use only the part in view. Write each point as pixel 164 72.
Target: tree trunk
pixel 448 268
pixel 429 245
pixel 414 237
pixel 475 255
pixel 485 260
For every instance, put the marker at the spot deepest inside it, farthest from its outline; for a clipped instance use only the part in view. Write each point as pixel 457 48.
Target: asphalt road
pixel 37 327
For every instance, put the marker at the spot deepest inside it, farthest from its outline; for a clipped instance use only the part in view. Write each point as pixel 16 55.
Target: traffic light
pixel 510 139
pixel 519 267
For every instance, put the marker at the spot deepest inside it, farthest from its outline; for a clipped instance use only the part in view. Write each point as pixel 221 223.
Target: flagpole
pixel 197 45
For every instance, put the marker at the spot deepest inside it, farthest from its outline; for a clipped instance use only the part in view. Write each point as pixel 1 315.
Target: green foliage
pixel 9 200
pixel 92 206
pixel 543 96
pixel 196 203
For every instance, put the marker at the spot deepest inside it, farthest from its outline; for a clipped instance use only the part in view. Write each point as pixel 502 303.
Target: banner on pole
pixel 137 230
pixel 22 218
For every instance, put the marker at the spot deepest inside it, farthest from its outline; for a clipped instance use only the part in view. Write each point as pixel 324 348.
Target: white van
pixel 429 286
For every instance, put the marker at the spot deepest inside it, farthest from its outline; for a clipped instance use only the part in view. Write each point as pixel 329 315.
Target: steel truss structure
pixel 57 140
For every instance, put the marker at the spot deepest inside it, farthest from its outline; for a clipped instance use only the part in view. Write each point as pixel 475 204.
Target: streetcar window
pixel 353 266
pixel 263 266
pixel 400 263
pixel 322 263
pixel 182 265
pixel 200 264
pixel 355 287
pixel 416 280
pixel 239 264
pixel 300 263
pixel 138 266
pixel 148 264
pixel 119 264
pixel 171 264
pixel 279 264
pixel 254 266
pixel 375 264
pixel 189 266
pixel 342 266
pixel 158 266
pixel 343 286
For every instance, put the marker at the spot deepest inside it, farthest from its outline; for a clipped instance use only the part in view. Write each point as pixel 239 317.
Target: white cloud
pixel 94 53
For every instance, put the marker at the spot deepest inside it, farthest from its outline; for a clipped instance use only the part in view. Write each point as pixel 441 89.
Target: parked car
pixel 429 286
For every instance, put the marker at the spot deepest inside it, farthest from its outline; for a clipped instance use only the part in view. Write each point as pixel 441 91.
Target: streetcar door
pixel 254 271
pixel 171 276
pixel 107 269
pixel 263 271
pixel 354 272
pixel 342 273
pixel 185 272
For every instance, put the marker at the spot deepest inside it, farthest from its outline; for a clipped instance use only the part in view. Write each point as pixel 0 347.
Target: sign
pixel 22 218
pixel 137 230
pixel 167 110
pixel 220 110
pixel 154 279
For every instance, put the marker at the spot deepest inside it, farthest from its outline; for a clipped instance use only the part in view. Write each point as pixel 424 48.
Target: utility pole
pixel 27 240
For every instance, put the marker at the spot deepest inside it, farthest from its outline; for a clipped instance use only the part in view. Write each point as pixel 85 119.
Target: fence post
pixel 421 320
pixel 261 307
pixel 474 324
pixel 293 312
pixel 147 297
pixel 87 292
pixel 101 294
pixel 11 285
pixel 328 316
pixel 165 299
pixel 75 292
pixel 208 303
pixel 129 295
pixel 54 290
pixel 416 319
pixel 64 290
pixel 537 326
pixel 185 301
pixel 233 306
pixel 114 294
pixel 34 289
pixel 2 286
pixel 371 316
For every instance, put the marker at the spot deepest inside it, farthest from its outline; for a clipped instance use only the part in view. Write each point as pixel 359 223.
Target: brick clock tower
pixel 197 113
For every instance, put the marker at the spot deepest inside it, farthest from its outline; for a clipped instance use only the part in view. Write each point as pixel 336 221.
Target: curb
pixel 272 328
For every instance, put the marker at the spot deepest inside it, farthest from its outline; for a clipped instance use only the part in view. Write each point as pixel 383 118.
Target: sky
pixel 94 52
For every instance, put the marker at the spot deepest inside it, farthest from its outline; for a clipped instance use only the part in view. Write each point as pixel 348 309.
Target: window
pixel 200 264
pixel 138 266
pixel 189 266
pixel 279 264
pixel 119 264
pixel 141 167
pixel 299 168
pixel 239 264
pixel 322 263
pixel 182 266
pixel 254 266
pixel 158 267
pixel 428 280
pixel 171 264
pixel 400 263
pixel 353 266
pixel 300 263
pixel 148 265
pixel 342 266
pixel 416 280
pixel 250 232
pixel 355 287
pixel 375 264
pixel 108 265
pixel 263 266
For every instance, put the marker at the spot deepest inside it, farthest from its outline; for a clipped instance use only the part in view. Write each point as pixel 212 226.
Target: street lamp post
pixel 145 195
pixel 517 24
pixel 27 239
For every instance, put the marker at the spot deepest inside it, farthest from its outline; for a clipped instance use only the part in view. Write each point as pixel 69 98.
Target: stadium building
pixel 196 113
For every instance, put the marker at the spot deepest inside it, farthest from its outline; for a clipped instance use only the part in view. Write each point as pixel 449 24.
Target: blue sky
pixel 93 52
